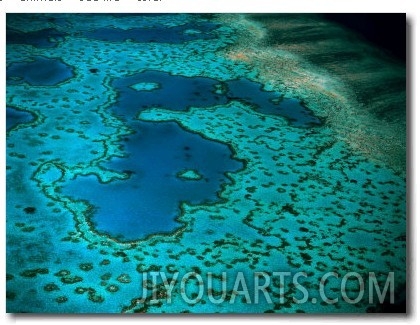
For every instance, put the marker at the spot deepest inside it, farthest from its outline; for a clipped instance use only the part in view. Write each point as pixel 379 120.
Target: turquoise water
pixel 144 143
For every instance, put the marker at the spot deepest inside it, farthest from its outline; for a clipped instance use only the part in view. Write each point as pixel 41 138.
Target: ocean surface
pixel 192 144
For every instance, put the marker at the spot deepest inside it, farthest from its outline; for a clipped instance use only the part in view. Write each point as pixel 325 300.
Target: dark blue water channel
pixel 15 116
pixel 44 38
pixel 39 72
pixel 179 92
pixel 171 92
pixel 159 34
pixel 149 201
pixel 271 102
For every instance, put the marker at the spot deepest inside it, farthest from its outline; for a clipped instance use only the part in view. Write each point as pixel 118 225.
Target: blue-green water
pixel 178 143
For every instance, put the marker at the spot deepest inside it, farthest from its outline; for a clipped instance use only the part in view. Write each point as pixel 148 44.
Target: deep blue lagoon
pixel 160 34
pixel 148 202
pixel 39 72
pixel 15 117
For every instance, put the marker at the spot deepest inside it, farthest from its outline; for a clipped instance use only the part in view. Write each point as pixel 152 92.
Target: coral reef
pixel 139 144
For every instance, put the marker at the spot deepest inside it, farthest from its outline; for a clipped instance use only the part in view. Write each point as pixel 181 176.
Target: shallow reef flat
pixel 199 143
